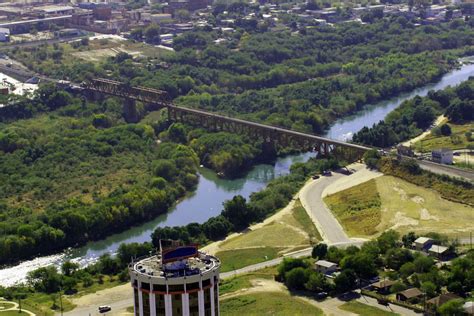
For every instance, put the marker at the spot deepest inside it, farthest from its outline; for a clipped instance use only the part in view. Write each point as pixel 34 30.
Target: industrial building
pixel 180 280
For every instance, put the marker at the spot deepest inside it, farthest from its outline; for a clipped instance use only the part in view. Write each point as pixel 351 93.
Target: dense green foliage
pixel 239 213
pixel 417 114
pixel 300 80
pixel 65 179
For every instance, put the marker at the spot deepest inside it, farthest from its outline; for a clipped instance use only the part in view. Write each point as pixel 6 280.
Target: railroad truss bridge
pixel 153 99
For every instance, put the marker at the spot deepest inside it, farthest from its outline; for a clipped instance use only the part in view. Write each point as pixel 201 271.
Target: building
pixel 4 34
pixel 178 281
pixel 382 287
pixel 440 252
pixel 435 302
pixel 160 17
pixel 423 243
pixel 412 295
pixel 443 155
pixel 325 267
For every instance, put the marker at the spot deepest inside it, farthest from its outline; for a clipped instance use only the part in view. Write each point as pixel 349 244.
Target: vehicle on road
pixel 315 177
pixel 327 173
pixel 321 295
pixel 382 301
pixel 104 308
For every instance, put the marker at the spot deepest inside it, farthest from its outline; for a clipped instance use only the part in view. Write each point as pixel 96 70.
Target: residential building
pixel 437 301
pixel 412 295
pixel 443 156
pixel 423 243
pixel 325 267
pixel 440 252
pixel 382 287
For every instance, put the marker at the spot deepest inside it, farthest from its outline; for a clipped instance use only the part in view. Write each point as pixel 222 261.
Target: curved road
pixel 311 199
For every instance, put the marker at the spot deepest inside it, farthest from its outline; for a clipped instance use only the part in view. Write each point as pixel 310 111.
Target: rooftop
pixel 410 293
pixel 153 266
pixel 324 263
pixel 438 249
pixel 422 240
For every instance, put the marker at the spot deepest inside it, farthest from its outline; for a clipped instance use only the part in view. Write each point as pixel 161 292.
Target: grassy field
pixel 357 208
pixel 365 310
pixel 457 140
pixel 403 206
pixel 289 232
pixel 296 227
pixel 267 303
pixel 243 281
pixel 239 258
pixel 407 207
pixel 12 313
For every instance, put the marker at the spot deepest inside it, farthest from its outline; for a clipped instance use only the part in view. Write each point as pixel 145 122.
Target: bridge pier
pixel 130 112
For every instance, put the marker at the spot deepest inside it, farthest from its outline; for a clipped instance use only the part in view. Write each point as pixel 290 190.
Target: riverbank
pixel 212 190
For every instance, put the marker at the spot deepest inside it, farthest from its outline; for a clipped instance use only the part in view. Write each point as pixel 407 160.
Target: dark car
pixel 321 295
pixel 327 173
pixel 104 308
pixel 315 177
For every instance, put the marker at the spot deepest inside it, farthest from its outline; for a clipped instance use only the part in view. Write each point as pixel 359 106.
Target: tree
pixel 237 212
pixel 45 279
pixel 345 281
pixel 429 288
pixel 452 308
pixel 371 158
pixel 289 264
pixel 397 287
pixel 408 239
pixel 152 34
pixel 388 240
pixel 319 251
pixel 177 133
pixel 316 282
pixel 423 264
pixel 68 268
pixel 296 278
pixel 445 130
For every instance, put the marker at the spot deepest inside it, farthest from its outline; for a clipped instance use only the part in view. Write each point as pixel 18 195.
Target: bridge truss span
pixel 154 99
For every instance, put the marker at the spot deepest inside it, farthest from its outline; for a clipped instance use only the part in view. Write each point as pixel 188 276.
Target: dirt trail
pixel 412 141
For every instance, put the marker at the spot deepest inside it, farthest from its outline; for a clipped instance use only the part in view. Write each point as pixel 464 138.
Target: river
pixel 212 191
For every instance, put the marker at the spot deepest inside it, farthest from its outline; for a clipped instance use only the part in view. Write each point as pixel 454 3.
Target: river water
pixel 212 191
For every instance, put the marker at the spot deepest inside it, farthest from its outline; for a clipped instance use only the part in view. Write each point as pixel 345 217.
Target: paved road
pixel 311 199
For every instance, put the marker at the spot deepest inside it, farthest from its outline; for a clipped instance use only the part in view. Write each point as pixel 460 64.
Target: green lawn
pixel 6 305
pixel 239 258
pixel 12 313
pixel 457 139
pixel 365 310
pixel 268 303
pixel 357 208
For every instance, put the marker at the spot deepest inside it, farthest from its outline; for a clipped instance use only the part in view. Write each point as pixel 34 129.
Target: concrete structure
pixel 423 243
pixel 325 267
pixel 412 295
pixel 443 156
pixel 180 281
